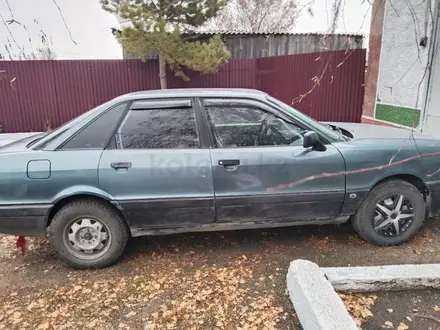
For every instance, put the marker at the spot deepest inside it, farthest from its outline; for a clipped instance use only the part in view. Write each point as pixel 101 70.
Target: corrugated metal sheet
pixel 256 45
pixel 337 97
pixel 49 93
pixel 238 73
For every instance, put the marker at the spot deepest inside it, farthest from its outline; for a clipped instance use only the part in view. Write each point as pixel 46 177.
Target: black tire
pixel 83 209
pixel 363 219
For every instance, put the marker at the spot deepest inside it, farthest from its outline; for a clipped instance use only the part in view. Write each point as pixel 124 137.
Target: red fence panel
pixel 27 95
pixel 115 77
pixel 327 86
pixel 238 73
pixel 74 89
pixel 49 93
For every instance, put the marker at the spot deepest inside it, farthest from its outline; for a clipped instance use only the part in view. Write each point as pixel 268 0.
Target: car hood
pixel 368 131
pixel 9 142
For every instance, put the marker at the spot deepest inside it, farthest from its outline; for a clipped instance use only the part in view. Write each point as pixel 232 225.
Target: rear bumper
pixel 434 193
pixel 24 220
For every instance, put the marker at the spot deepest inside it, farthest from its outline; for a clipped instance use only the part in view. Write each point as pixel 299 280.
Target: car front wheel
pixel 88 234
pixel 392 213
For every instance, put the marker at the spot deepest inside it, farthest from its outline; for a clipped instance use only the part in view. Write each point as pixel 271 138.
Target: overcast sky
pixel 90 25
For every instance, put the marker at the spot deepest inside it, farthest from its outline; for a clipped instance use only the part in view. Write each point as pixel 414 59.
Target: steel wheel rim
pixel 87 238
pixel 393 215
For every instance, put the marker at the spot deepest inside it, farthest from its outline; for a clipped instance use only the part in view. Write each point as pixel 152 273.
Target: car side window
pixel 249 126
pixel 97 134
pixel 173 128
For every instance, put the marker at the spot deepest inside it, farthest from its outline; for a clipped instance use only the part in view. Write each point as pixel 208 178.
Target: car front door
pixel 156 168
pixel 257 154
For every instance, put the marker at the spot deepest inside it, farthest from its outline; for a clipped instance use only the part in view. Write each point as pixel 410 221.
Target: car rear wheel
pixel 392 213
pixel 88 234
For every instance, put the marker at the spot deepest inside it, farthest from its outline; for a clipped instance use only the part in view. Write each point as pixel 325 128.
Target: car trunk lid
pixel 17 143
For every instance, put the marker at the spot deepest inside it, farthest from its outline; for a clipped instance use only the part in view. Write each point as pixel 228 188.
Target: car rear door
pixel 252 169
pixel 156 167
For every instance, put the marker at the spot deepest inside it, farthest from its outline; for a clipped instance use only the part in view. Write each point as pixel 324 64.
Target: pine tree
pixel 158 26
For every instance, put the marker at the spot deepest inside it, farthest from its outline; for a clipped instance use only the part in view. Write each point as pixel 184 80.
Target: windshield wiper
pixel 339 131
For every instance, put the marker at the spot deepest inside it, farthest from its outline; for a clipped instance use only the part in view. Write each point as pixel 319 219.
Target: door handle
pixel 229 164
pixel 119 165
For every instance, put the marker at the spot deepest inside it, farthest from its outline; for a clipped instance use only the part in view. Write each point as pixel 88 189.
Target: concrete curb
pixel 316 303
pixel 319 307
pixel 379 278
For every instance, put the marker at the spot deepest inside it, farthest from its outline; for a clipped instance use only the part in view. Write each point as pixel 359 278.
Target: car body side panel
pixel 431 168
pixel 25 202
pixel 82 190
pixel 258 189
pixel 162 187
pixel 24 220
pixel 365 158
pixel 68 169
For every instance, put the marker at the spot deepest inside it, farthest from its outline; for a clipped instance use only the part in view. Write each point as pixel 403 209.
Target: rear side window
pixel 98 132
pixel 173 128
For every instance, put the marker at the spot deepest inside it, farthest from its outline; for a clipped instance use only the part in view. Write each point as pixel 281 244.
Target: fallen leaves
pixel 389 324
pixel 44 326
pixel 402 326
pixel 132 313
pixel 80 304
pixel 323 244
pixel 358 306
pixel 8 249
pixel 222 294
pixel 92 324
pixel 230 296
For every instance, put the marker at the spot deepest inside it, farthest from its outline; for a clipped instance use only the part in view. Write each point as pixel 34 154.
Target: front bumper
pixel 434 194
pixel 24 220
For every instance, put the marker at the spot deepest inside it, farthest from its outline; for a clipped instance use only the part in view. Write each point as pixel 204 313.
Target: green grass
pixel 399 115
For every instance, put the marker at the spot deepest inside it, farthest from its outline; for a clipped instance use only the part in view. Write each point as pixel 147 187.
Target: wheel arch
pixel 90 194
pixel 415 180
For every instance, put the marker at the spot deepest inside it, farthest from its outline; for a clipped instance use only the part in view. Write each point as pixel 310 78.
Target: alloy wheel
pixel 393 215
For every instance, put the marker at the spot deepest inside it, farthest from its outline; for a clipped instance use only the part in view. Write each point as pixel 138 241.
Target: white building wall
pixel 403 60
pixel 431 116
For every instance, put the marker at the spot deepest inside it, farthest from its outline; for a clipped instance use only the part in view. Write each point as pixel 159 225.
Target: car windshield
pixel 325 129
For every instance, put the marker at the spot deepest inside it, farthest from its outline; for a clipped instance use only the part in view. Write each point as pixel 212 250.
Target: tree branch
pixel 411 136
pixel 12 36
pixel 362 170
pixel 12 20
pixel 64 21
pixel 316 82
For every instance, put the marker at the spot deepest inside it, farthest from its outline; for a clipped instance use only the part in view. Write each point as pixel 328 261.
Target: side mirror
pixel 311 139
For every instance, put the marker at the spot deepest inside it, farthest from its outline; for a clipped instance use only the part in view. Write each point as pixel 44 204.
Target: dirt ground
pixel 228 280
pixel 415 309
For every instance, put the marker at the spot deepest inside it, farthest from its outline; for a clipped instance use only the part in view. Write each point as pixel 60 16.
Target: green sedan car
pixel 191 160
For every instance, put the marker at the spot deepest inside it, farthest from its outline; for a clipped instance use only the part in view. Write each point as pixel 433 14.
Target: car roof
pixel 193 92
